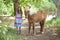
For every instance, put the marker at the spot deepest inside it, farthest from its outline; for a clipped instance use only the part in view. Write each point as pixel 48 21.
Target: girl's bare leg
pixel 19 30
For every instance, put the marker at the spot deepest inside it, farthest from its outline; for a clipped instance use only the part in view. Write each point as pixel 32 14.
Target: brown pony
pixel 34 17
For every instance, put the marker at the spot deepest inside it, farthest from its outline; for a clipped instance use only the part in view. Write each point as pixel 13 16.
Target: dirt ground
pixel 49 33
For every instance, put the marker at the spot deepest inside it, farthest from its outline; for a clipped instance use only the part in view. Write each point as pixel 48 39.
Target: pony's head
pixel 27 10
pixel 30 10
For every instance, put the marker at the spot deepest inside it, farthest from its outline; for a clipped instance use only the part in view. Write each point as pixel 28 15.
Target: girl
pixel 18 20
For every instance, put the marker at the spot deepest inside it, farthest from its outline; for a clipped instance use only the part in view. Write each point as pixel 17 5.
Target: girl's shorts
pixel 18 25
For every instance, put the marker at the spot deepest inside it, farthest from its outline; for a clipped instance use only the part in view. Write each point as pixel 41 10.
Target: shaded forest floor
pixel 50 33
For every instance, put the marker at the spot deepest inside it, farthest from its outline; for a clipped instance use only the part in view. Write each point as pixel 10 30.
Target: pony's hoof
pixel 41 32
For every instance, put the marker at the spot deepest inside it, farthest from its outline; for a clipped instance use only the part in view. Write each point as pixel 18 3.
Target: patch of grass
pixel 54 22
pixel 6 30
pixel 7 33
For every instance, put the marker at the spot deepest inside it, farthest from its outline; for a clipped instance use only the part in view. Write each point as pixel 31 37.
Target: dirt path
pixel 49 34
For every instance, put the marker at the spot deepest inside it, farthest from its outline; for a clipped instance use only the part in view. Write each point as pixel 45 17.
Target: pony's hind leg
pixel 42 26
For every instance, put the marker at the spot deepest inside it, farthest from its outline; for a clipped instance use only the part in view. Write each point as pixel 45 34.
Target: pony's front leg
pixel 33 24
pixel 29 27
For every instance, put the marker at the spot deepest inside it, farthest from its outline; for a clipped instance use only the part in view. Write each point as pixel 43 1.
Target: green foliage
pixel 54 22
pixel 39 4
pixel 58 22
pixel 6 6
pixel 7 33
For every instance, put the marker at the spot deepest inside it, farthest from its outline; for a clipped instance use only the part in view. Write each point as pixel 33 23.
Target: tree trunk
pixel 57 3
pixel 15 6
